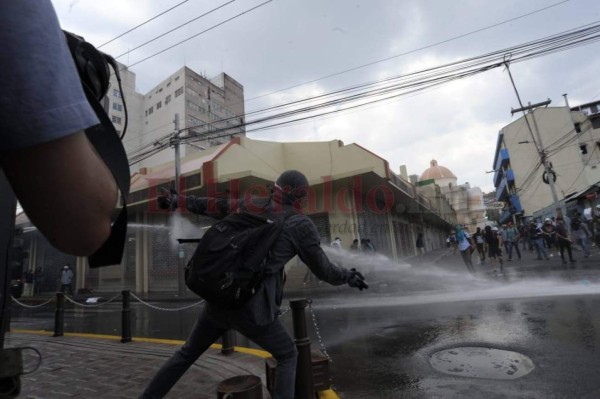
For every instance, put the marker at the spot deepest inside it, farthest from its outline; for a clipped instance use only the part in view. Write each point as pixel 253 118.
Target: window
pixel 578 127
pixel 168 99
pixel 594 109
pixel 118 107
pixel 583 148
pixel 596 123
pixel 116 93
pixel 150 110
pixel 176 78
pixel 116 120
pixel 194 121
pixel 179 92
pixel 193 106
pixel 158 105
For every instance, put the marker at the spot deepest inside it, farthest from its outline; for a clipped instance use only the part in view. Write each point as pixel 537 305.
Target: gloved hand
pixel 357 280
pixel 168 199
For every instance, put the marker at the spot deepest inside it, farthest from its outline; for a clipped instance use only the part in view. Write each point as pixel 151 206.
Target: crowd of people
pixel 506 242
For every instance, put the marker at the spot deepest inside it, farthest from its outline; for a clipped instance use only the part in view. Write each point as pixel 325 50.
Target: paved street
pixel 383 342
pixel 74 367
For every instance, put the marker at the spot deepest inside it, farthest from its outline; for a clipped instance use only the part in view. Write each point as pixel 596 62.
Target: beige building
pixel 353 194
pixel 570 140
pixel 465 200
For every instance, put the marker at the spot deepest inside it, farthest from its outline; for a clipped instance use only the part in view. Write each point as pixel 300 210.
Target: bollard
pixel 126 317
pixel 240 387
pixel 304 373
pixel 59 315
pixel 228 341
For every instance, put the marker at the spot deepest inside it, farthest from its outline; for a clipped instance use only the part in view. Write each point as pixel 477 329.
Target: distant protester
pixel 479 242
pixel 466 246
pixel 420 244
pixel 564 240
pixel 493 242
pixel 536 236
pixel 581 234
pixel 66 279
pixel 512 239
pixel 337 243
pixel 549 231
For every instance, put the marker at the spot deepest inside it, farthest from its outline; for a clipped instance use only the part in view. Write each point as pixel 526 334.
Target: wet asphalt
pixel 393 340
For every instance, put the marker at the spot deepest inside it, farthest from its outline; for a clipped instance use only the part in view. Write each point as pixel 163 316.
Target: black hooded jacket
pixel 299 237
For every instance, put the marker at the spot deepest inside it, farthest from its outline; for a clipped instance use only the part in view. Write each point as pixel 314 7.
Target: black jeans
pixel 562 245
pixel 273 337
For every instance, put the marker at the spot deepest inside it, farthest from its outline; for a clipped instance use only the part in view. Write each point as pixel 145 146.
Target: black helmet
pixel 293 183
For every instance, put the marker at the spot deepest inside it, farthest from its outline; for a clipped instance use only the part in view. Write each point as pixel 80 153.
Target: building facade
pixel 353 195
pixel 465 200
pixel 208 112
pixel 569 140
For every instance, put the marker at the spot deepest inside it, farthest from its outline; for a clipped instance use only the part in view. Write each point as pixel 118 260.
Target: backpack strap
pixel 94 73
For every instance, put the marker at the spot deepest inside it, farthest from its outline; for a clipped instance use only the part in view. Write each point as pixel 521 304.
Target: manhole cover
pixel 482 363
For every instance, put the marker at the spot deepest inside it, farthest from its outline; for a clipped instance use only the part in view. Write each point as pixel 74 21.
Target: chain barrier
pixel 318 332
pixel 30 306
pixel 84 305
pixel 284 311
pixel 165 309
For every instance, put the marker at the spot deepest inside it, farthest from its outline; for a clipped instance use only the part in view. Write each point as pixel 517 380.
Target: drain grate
pixel 481 362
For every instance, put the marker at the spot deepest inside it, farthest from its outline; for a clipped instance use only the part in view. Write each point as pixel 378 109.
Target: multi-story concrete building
pixel 569 139
pixel 210 111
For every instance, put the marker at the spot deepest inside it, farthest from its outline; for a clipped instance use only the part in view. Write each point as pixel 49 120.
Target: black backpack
pixel 227 267
pixel 576 223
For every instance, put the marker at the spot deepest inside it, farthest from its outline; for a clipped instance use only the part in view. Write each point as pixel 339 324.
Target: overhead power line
pixel 143 23
pixel 176 28
pixel 401 85
pixel 413 50
pixel 200 33
pixel 389 58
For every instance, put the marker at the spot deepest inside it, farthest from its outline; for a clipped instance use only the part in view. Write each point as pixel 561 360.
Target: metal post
pixel 126 317
pixel 8 204
pixel 304 374
pixel 228 342
pixel 59 315
pixel 176 143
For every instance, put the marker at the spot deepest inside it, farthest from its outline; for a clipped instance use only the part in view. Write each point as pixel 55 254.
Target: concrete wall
pixel 556 128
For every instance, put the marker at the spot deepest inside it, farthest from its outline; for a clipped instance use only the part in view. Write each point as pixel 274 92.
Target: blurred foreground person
pixel 258 319
pixel 65 188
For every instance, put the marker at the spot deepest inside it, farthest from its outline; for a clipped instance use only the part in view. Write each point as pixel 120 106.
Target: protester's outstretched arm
pixel 309 250
pixel 66 190
pixel 209 206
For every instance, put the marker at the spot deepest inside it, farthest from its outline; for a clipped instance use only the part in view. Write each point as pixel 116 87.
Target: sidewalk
pixel 79 366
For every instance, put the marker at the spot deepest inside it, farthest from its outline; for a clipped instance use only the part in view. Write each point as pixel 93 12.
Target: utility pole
pixel 549 173
pixel 176 143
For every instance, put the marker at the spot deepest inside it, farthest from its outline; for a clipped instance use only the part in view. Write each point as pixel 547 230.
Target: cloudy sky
pixel 286 50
